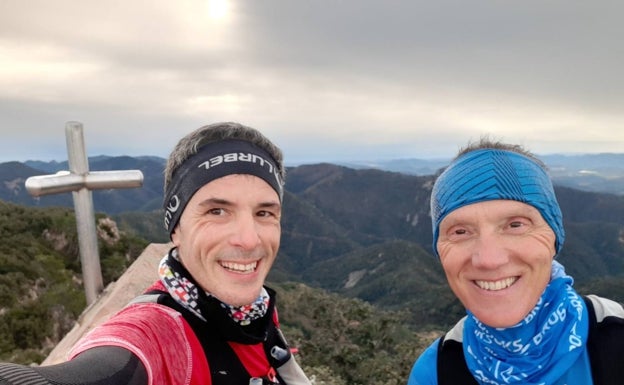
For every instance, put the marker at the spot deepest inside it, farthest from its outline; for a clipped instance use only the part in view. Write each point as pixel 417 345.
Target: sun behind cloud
pixel 218 9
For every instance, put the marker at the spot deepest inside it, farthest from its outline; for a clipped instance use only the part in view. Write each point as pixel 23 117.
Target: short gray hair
pixel 488 142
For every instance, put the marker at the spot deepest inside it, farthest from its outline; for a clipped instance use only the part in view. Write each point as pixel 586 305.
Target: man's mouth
pixel 243 268
pixel 496 285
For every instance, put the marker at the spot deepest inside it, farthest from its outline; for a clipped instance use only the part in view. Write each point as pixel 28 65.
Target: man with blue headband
pixel 497 228
pixel 209 318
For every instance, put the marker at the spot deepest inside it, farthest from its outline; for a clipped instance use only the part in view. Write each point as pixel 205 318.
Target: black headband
pixel 213 161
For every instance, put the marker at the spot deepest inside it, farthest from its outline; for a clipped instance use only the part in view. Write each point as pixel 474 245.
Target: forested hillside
pixel 369 228
pixel 360 238
pixel 41 291
pixel 340 340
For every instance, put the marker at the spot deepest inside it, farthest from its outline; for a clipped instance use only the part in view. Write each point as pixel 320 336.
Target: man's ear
pixel 175 237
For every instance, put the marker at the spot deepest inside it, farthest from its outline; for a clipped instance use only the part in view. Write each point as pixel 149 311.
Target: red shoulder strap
pixel 254 358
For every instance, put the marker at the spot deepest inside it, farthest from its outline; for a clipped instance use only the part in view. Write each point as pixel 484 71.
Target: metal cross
pixel 80 182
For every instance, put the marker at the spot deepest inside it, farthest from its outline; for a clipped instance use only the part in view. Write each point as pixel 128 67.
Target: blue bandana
pixel 538 350
pixel 489 174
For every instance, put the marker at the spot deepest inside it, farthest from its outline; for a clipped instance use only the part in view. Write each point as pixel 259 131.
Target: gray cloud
pixel 328 80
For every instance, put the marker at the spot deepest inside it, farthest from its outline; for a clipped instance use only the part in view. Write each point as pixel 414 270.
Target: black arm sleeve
pixel 106 365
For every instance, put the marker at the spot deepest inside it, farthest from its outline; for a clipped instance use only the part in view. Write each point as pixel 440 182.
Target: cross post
pixel 80 182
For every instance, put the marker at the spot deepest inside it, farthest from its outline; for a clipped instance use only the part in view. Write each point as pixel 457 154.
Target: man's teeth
pixel 239 267
pixel 496 285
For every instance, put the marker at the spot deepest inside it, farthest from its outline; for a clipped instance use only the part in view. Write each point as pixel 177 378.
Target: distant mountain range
pixel 13 176
pixel 366 232
pixel 589 172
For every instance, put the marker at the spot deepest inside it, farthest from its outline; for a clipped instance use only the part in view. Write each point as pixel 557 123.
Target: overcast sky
pixel 326 80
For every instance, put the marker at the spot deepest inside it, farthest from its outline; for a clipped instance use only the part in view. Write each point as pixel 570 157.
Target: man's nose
pixel 246 234
pixel 489 252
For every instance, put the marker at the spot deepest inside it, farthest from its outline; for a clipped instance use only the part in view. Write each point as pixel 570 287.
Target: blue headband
pixel 212 161
pixel 489 174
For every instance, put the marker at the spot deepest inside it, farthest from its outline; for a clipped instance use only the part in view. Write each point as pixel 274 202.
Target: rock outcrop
pixel 139 276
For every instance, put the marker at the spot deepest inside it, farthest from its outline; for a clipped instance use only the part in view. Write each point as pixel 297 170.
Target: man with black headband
pixel 497 228
pixel 209 319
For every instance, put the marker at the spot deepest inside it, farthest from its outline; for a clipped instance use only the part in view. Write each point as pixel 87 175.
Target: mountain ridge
pixel 600 172
pixel 337 220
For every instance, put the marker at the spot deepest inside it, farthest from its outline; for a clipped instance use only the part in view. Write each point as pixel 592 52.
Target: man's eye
pixel 456 233
pixel 516 224
pixel 265 213
pixel 215 211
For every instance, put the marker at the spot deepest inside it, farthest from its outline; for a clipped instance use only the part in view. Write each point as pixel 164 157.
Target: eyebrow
pixel 225 202
pixel 451 221
pixel 274 205
pixel 215 201
pixel 270 205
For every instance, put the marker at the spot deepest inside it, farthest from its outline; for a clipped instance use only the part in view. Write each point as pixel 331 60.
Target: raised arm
pixel 106 365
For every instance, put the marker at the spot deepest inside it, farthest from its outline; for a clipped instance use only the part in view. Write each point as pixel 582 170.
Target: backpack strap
pixel 605 345
pixel 451 365
pixel 229 362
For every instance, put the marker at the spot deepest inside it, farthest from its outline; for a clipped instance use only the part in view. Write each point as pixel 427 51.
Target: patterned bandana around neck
pixel 183 290
pixel 538 350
